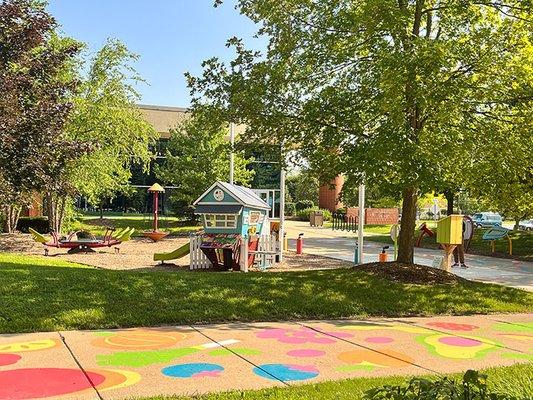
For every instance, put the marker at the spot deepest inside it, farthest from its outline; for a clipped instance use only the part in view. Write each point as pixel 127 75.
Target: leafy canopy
pixel 197 156
pixel 105 113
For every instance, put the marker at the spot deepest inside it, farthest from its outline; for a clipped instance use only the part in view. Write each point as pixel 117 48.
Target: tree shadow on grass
pixel 37 298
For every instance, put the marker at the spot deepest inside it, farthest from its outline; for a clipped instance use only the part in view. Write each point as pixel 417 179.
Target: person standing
pixel 459 252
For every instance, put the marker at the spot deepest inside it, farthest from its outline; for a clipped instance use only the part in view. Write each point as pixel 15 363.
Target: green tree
pixel 303 186
pixel 36 90
pixel 389 92
pixel 197 156
pixel 105 113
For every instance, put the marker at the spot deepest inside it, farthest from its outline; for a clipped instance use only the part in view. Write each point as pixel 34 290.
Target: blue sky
pixel 170 36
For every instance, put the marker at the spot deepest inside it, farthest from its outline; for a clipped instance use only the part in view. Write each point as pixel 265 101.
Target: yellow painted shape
pixel 517 336
pixel 33 345
pixel 117 379
pixel 459 352
pixel 400 328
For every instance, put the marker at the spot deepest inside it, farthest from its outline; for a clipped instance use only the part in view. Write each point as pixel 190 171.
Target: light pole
pixel 231 155
pixel 361 224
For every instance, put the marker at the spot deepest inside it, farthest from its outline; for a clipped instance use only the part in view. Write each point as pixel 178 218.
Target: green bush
pixel 303 204
pixel 290 209
pixel 473 387
pixel 303 215
pixel 40 224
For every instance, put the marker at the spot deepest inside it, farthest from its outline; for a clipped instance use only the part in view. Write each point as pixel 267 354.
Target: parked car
pixel 526 225
pixel 487 219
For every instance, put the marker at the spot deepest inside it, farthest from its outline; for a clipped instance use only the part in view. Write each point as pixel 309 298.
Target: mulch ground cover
pixel 409 273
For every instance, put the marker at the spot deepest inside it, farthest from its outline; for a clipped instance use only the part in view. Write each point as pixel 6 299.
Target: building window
pixel 220 221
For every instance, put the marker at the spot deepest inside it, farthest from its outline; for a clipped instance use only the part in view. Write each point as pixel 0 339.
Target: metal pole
pixel 360 228
pixel 231 155
pixel 281 212
pixel 156 206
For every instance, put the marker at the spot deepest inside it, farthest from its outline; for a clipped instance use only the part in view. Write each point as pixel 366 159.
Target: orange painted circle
pixel 140 340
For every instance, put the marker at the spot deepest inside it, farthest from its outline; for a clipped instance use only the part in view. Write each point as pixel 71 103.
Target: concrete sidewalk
pixel 341 245
pixel 190 360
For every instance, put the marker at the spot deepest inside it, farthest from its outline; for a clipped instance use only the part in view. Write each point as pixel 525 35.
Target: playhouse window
pixel 220 220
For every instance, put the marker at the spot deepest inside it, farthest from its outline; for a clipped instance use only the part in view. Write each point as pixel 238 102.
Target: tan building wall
pixel 164 118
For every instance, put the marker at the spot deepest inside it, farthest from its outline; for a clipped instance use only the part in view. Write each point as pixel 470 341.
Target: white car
pixel 526 225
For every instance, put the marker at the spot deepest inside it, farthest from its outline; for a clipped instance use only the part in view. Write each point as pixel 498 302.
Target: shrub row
pixel 303 215
pixel 40 224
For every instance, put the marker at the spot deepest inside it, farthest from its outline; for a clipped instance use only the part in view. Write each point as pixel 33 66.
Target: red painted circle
pixel 31 383
pixel 8 359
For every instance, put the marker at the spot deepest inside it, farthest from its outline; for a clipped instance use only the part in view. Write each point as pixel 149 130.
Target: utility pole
pixel 360 228
pixel 231 155
pixel 281 211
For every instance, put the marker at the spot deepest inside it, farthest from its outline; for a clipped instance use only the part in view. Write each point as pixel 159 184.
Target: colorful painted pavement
pixel 118 364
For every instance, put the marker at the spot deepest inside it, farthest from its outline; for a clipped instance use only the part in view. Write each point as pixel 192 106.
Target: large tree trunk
pixel 11 217
pixel 450 196
pixel 406 240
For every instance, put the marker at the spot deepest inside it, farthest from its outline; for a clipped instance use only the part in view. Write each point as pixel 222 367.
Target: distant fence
pixel 344 222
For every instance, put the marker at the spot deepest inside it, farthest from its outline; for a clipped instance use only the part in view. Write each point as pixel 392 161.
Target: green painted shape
pixel 104 334
pixel 142 358
pixel 178 253
pixel 243 351
pixel 350 368
pixel 510 327
pixel 518 356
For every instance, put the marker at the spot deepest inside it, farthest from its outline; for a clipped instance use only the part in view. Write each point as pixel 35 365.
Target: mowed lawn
pixel 516 380
pixel 44 294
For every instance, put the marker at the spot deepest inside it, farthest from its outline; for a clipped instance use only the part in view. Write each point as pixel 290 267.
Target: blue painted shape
pixel 495 233
pixel 286 372
pixel 191 370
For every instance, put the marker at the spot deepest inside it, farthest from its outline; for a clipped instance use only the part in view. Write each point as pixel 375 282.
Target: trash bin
pixel 316 218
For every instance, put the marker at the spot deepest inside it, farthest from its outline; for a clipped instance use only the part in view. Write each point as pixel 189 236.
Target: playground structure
pixel 496 233
pixel 237 231
pixel 424 231
pixel 155 234
pixel 449 235
pixel 84 245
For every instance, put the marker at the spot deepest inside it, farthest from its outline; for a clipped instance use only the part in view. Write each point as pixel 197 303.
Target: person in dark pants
pixel 459 253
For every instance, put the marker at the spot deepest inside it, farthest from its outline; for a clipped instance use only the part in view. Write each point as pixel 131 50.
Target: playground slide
pixel 173 255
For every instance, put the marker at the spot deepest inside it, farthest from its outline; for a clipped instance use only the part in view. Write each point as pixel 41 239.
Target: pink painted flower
pixel 300 335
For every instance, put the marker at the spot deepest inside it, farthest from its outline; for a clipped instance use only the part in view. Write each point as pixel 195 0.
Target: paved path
pixel 340 245
pixel 189 360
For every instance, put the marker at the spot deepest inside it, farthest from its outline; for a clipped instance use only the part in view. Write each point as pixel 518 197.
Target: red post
pixel 300 244
pixel 156 209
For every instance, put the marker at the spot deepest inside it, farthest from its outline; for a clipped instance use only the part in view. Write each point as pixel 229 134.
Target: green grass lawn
pixel 93 224
pixel 522 242
pixel 44 294
pixel 516 380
